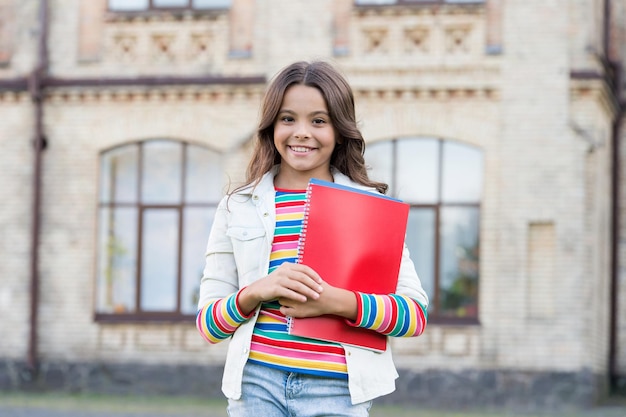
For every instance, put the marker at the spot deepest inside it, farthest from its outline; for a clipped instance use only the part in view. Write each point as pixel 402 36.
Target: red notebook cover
pixel 354 240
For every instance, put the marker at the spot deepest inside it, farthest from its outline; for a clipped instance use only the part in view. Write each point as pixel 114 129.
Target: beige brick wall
pixel 537 161
pixel 15 220
pixel 415 72
pixel 80 127
pixel 592 132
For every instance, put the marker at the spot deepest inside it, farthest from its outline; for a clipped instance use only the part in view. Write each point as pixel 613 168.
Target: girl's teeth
pixel 299 149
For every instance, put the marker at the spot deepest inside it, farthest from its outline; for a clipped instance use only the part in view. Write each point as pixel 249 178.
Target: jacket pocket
pixel 248 245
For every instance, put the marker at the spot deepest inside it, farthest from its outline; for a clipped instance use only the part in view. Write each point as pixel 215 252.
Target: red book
pixel 354 240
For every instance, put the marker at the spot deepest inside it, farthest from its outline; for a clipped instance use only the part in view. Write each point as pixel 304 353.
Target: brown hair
pixel 348 154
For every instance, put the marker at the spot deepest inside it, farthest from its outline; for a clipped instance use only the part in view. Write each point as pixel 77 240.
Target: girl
pixel 251 283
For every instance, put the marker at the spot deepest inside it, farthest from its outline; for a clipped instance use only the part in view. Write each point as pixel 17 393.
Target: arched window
pixel 157 200
pixel 442 181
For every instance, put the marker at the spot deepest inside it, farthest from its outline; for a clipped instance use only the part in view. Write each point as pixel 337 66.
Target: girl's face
pixel 304 137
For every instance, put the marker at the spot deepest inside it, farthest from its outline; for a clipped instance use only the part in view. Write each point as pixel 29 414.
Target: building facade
pixel 500 122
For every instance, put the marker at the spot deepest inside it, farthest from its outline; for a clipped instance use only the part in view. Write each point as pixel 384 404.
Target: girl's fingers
pixel 293 281
pixel 310 272
pixel 302 269
pixel 300 290
pixel 302 274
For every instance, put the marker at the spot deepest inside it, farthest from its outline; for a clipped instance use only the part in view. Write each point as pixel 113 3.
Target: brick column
pixel 7 31
pixel 617 32
pixel 242 18
pixel 494 26
pixel 342 10
pixel 90 27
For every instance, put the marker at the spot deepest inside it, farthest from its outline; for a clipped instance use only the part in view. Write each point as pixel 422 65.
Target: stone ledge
pixel 431 388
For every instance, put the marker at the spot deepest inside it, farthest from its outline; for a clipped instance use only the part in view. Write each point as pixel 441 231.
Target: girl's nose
pixel 302 131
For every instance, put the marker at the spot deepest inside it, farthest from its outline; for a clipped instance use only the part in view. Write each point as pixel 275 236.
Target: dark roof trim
pixel 21 84
pixel 150 81
pixel 15 84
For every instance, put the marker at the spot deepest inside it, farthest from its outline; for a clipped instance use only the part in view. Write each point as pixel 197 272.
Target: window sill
pixel 446 4
pixel 454 321
pixel 126 318
pixel 418 3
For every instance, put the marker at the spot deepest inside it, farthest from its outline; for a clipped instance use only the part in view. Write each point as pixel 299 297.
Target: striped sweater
pixel 272 345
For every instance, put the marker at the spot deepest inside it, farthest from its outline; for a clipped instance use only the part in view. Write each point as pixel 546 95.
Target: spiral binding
pixel 305 223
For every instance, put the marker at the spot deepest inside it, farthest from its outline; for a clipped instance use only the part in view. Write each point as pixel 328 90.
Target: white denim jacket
pixel 238 253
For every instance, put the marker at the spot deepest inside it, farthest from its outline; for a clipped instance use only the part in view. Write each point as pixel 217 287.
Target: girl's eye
pixel 286 119
pixel 318 121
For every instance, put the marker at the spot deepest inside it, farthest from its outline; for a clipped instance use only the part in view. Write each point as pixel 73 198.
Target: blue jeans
pixel 269 392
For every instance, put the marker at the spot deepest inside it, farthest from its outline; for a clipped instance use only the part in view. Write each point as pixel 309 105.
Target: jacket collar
pixel 267 182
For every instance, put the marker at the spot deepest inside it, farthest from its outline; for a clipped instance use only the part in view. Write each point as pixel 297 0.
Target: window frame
pixel 140 315
pixel 438 206
pixel 384 3
pixel 152 8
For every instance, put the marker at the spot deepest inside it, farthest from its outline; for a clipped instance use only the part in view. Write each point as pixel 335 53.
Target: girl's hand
pixel 293 282
pixel 332 300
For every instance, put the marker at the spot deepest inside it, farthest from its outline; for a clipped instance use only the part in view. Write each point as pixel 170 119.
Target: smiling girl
pixel 252 283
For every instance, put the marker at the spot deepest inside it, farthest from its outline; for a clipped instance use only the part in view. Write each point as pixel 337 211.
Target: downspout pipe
pixel 616 382
pixel 35 84
pixel 614 70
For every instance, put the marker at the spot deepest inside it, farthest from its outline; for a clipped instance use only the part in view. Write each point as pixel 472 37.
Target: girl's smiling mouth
pixel 301 149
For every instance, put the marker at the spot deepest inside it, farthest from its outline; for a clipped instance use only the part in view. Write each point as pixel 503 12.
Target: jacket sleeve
pixel 218 313
pixel 409 283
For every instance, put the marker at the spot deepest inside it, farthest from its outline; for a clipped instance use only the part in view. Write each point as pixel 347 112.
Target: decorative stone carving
pixel 375 40
pixel 416 39
pixel 457 39
pixel 448 35
pixel 162 46
pixel 124 47
pixel 200 45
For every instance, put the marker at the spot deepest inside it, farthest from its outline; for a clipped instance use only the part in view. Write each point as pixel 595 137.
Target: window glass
pixel 128 5
pixel 459 256
pixel 211 4
pixel 140 240
pixel 203 181
pixel 418 170
pixel 161 172
pixel 420 240
pixel 159 260
pixel 462 173
pixel 197 225
pixel 170 3
pixel 379 159
pixel 117 260
pixel 442 182
pixel 119 175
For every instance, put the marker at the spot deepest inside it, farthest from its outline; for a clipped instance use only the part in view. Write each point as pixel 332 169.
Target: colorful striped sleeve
pixel 220 317
pixel 393 315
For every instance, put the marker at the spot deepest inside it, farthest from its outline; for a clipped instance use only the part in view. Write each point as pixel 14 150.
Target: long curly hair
pixel 347 156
